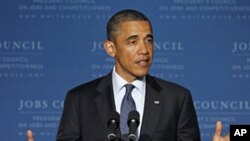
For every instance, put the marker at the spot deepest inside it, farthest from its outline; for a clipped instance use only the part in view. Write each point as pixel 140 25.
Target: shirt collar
pixel 119 82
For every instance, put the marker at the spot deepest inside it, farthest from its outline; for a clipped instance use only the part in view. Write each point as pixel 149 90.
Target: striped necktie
pixel 128 104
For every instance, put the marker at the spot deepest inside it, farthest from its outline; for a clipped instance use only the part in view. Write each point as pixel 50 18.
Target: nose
pixel 144 48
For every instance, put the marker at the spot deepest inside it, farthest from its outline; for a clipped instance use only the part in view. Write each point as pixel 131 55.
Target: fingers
pixel 218 128
pixel 217 134
pixel 30 135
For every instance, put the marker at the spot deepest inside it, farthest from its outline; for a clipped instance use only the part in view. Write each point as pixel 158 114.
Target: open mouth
pixel 143 62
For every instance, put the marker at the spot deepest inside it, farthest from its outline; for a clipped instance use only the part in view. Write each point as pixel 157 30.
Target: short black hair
pixel 123 16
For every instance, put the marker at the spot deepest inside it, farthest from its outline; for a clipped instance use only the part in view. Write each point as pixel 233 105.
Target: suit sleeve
pixel 188 128
pixel 69 129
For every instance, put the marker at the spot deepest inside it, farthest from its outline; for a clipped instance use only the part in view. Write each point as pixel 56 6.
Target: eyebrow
pixel 136 36
pixel 132 37
pixel 150 35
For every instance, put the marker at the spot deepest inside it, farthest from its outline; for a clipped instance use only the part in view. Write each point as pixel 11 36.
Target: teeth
pixel 142 62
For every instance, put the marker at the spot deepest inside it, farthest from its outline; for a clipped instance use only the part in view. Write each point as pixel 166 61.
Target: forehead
pixel 134 27
pixel 131 24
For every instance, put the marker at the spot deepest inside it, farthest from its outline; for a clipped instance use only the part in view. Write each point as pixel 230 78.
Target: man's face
pixel 133 49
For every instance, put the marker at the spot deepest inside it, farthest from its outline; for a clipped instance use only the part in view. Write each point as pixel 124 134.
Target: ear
pixel 109 47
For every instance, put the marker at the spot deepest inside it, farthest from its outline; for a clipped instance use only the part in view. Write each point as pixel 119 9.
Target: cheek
pixel 128 54
pixel 151 50
pixel 125 58
pixel 129 59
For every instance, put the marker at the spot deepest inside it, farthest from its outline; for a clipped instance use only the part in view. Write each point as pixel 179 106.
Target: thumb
pixel 30 136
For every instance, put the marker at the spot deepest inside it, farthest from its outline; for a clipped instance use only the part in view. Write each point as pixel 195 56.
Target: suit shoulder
pixel 85 87
pixel 173 91
pixel 171 86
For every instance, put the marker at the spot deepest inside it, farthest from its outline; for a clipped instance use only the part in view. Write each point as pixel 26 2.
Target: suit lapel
pixel 152 109
pixel 105 100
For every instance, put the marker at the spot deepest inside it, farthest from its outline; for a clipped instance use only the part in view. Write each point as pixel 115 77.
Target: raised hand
pixel 217 133
pixel 30 136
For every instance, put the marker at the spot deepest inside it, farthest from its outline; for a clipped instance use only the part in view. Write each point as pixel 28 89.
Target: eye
pixel 132 42
pixel 149 40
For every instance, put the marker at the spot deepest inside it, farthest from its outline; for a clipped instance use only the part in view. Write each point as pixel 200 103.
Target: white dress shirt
pixel 138 93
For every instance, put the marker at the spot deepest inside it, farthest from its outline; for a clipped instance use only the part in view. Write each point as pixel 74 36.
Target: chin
pixel 141 73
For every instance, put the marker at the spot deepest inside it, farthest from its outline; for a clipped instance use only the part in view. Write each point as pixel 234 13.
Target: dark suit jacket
pixel 87 108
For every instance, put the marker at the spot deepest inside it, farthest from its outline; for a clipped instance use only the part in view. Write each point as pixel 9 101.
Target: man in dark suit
pixel 166 109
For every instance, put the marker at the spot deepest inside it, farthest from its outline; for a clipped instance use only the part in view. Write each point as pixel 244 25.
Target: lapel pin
pixel 157 102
